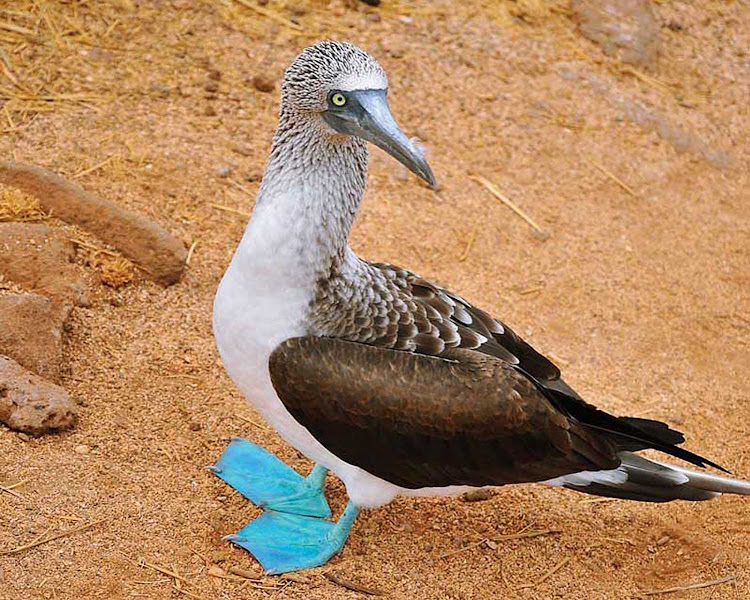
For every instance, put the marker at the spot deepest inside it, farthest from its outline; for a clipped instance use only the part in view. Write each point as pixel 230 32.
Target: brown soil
pixel 642 299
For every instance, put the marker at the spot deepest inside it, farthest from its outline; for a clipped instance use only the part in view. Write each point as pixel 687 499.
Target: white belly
pixel 247 328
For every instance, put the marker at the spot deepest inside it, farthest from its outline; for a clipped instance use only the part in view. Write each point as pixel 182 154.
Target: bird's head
pixel 347 90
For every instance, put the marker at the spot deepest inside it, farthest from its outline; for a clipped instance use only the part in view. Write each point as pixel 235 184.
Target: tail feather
pixel 638 478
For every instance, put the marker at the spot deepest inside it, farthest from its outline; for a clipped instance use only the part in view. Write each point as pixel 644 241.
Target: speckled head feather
pixel 329 66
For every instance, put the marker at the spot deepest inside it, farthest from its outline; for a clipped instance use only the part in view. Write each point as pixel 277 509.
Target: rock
pixel 31 404
pixel 81 449
pixel 31 332
pixel 246 573
pixel 214 74
pixel 263 84
pixel 371 2
pixel 212 87
pixel 216 571
pixel 623 28
pixel 143 241
pixel 38 258
pixel 479 495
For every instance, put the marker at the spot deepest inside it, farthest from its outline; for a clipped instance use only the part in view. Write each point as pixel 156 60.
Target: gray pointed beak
pixel 366 115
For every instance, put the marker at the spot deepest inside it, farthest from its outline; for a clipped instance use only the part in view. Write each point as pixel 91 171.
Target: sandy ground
pixel 642 299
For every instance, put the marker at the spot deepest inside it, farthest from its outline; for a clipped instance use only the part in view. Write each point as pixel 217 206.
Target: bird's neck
pixel 308 199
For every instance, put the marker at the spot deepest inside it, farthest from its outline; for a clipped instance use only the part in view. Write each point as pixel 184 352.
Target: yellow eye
pixel 338 99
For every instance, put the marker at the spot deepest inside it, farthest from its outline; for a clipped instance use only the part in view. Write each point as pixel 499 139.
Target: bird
pixel 394 383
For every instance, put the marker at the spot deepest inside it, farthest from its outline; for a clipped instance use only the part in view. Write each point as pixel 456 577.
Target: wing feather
pixel 399 310
pixel 421 421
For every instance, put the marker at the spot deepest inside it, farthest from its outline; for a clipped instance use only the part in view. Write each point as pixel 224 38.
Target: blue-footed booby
pixel 395 384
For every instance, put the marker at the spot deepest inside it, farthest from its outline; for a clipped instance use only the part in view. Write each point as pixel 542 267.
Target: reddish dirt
pixel 642 299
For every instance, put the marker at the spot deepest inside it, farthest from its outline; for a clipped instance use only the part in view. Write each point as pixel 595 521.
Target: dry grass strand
pixel 18 206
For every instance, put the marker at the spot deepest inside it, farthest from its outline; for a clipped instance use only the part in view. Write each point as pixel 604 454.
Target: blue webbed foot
pixel 285 542
pixel 269 483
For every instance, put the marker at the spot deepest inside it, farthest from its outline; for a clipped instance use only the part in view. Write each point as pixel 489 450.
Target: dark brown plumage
pixel 403 325
pixel 423 421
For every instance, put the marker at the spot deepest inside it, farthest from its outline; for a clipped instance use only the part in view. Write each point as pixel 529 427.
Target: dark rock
pixel 479 495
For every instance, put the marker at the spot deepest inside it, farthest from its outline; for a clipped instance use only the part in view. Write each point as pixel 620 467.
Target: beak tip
pixel 429 177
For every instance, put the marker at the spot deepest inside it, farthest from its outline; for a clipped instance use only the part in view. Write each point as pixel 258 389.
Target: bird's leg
pixel 268 482
pixel 284 542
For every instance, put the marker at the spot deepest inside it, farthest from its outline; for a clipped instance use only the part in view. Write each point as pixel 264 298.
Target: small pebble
pixel 262 2
pixel 246 573
pixel 214 74
pixel 115 301
pixel 371 2
pixel 663 540
pixel 479 495
pixel 160 90
pixel 211 86
pixel 223 170
pixel 216 571
pixel 23 437
pixel 263 84
pixel 675 26
pixel 374 17
pixel 81 449
pixel 244 149
pixel 195 426
pixel 210 111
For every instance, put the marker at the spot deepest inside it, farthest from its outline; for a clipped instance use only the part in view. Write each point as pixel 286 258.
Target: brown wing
pixel 419 421
pixel 397 309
